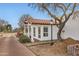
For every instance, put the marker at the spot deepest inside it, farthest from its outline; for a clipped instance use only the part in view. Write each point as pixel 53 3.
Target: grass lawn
pixel 58 49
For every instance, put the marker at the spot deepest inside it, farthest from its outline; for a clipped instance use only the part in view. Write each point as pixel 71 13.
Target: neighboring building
pixel 42 30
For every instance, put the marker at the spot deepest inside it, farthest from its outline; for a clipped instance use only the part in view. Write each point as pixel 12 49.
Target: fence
pixel 73 50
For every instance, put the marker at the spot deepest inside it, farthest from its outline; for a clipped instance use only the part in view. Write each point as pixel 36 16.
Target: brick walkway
pixel 11 47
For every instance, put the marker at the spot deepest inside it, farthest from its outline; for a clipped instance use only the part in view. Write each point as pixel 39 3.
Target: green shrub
pixel 24 39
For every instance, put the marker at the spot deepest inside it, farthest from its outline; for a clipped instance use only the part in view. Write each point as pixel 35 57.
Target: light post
pixel 51 23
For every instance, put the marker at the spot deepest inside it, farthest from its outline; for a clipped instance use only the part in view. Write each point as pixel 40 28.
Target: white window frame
pixel 45 34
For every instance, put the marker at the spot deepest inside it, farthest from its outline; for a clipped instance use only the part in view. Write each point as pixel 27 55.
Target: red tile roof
pixel 38 21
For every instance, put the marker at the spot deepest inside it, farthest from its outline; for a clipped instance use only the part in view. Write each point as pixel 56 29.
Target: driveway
pixel 9 46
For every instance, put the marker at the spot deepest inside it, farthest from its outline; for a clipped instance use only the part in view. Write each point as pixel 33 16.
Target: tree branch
pixel 73 9
pixel 54 16
pixel 64 14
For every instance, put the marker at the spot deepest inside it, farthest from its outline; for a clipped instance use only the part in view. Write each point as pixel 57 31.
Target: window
pixel 39 32
pixel 34 29
pixel 45 31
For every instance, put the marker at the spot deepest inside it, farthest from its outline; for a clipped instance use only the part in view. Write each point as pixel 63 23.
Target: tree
pixel 60 12
pixel 9 28
pixel 21 21
pixel 3 23
pixel 16 29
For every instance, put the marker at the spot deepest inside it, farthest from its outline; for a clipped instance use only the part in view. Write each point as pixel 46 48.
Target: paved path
pixel 11 47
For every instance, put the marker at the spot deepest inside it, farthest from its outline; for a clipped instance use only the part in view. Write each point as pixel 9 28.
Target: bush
pixel 24 39
pixel 18 34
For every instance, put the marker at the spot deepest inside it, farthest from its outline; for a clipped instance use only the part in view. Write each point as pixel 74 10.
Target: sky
pixel 12 12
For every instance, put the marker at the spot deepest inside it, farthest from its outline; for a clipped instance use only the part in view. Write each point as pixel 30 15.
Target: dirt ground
pixel 7 34
pixel 58 49
pixel 47 50
pixel 10 46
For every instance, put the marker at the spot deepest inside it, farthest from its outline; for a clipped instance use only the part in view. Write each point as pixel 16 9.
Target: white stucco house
pixel 47 30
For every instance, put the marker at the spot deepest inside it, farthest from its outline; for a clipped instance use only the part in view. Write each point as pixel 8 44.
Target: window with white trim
pixel 45 31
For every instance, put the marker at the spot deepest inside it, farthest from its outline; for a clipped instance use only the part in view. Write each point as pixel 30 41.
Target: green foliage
pixel 8 28
pixel 24 39
pixel 5 26
pixel 3 23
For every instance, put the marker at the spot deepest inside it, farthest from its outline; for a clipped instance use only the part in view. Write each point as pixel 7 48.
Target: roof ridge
pixel 39 21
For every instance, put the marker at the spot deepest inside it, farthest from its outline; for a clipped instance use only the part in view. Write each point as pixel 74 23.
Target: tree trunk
pixel 61 26
pixel 59 35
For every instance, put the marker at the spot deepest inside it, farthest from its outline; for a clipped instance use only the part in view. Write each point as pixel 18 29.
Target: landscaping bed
pixel 58 49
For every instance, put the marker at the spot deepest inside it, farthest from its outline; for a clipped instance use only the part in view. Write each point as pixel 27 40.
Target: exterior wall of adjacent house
pixel 72 29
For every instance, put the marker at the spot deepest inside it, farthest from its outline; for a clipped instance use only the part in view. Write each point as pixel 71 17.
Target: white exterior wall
pixel 71 29
pixel 54 32
pixel 42 37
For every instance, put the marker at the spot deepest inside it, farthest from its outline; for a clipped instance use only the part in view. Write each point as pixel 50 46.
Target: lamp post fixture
pixel 51 23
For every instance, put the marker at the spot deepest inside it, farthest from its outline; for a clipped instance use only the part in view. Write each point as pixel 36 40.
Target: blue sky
pixel 12 12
